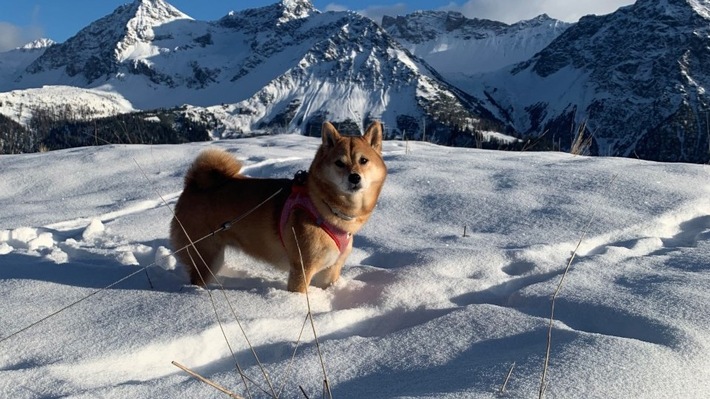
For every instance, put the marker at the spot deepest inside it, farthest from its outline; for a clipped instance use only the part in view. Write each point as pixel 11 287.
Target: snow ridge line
pixel 130 210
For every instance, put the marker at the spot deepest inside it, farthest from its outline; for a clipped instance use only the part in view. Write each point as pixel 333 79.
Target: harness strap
pixel 300 199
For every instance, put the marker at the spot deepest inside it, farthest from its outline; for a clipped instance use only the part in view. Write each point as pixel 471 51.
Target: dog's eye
pixel 363 160
pixel 340 163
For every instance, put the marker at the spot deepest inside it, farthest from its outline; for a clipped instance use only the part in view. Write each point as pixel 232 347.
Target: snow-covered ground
pixel 421 310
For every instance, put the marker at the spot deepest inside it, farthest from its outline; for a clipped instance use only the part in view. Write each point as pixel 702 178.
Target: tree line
pixel 66 127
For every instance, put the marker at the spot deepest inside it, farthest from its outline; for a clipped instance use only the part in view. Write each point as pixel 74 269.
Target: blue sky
pixel 22 21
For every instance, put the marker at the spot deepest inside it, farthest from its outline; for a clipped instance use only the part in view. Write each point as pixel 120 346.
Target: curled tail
pixel 210 169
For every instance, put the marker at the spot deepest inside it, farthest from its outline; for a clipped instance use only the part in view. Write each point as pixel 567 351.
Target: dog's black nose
pixel 354 178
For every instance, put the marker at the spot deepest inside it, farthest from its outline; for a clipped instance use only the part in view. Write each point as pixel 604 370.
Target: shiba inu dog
pixel 325 207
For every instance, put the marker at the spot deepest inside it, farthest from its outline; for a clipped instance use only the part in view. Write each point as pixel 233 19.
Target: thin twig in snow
pixel 206 381
pixel 543 379
pixel 310 316
pixel 507 378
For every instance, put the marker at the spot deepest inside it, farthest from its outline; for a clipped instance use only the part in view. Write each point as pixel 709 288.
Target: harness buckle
pixel 300 178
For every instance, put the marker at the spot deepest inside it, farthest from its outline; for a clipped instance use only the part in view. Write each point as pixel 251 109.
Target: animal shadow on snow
pixel 92 270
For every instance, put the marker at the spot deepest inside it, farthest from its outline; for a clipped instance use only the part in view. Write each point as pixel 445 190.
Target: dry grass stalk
pixel 543 379
pixel 507 378
pixel 206 381
pixel 326 386
pixel 293 357
pixel 531 144
pixel 582 142
pixel 226 225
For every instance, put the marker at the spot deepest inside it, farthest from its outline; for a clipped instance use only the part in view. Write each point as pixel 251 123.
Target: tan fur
pixel 215 192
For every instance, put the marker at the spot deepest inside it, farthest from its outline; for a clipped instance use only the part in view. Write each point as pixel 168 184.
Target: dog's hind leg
pixel 203 260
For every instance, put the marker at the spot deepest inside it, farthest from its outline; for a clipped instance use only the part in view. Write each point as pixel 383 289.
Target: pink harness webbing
pixel 299 198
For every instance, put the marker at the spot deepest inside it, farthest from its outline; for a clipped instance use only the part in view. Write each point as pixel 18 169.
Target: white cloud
pixel 335 7
pixel 13 36
pixel 374 12
pixel 377 12
pixel 510 11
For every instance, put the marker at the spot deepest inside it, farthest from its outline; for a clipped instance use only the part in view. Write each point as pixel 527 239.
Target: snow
pixel 421 310
pixel 453 44
pixel 518 92
pixel 701 7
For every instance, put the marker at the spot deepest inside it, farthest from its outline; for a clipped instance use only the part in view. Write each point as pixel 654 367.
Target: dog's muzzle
pixel 354 179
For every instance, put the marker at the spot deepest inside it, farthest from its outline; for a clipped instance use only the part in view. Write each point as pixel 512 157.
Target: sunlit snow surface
pixel 420 311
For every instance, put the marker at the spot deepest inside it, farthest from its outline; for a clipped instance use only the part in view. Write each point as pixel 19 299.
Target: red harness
pixel 300 199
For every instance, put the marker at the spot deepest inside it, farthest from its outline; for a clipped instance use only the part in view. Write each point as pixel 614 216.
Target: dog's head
pixel 353 164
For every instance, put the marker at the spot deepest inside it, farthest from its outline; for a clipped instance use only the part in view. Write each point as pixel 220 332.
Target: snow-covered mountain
pixel 98 50
pixel 636 77
pixel 453 44
pixel 286 65
pixel 14 62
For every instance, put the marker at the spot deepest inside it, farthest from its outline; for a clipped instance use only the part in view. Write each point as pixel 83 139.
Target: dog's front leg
pixel 329 275
pixel 323 264
pixel 297 281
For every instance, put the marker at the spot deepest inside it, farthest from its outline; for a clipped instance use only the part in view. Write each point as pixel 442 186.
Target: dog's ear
pixel 329 134
pixel 373 135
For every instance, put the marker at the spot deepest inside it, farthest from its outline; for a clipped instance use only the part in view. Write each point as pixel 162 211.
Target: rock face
pixel 636 78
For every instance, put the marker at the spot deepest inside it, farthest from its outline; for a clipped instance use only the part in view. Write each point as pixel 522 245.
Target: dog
pixel 303 225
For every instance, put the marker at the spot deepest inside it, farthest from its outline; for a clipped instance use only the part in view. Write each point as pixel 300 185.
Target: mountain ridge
pixel 634 79
pixel 285 65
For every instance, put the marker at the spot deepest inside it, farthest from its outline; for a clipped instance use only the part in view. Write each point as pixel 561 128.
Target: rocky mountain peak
pixel 295 9
pixel 422 26
pixel 700 6
pixel 143 16
pixel 604 42
pixel 154 12
pixel 637 78
pixel 453 43
pixel 283 12
pixel 42 43
pixel 96 50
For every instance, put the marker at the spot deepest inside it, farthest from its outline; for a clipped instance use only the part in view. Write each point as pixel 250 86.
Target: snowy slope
pixel 420 311
pixel 454 44
pixel 84 103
